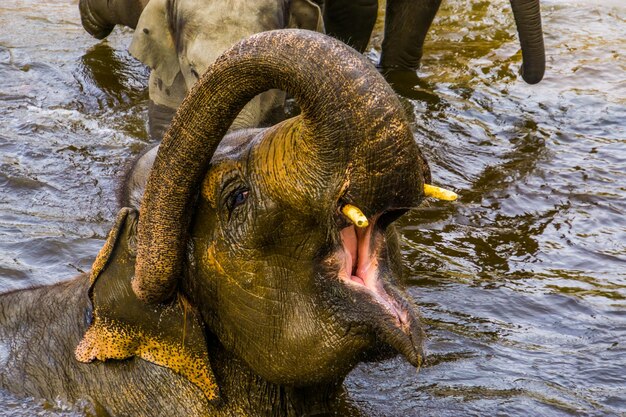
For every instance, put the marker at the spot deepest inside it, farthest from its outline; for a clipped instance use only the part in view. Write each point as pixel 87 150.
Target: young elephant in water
pixel 179 39
pixel 262 266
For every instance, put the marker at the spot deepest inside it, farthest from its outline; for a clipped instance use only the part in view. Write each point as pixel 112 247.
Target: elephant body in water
pixel 246 285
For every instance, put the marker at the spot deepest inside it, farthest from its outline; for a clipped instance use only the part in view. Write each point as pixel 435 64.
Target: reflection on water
pixel 521 282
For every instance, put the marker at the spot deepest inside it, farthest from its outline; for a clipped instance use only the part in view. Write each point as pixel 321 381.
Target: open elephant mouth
pixel 360 269
pixel 363 269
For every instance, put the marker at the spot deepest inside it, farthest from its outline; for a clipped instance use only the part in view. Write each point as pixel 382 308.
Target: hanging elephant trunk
pixel 344 101
pixel 99 17
pixel 528 20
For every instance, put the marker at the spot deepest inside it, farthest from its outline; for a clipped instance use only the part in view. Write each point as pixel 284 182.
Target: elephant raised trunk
pixel 269 254
pixel 344 101
pixel 528 20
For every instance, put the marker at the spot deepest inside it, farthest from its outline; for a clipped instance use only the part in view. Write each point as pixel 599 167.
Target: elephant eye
pixel 236 199
pixel 195 73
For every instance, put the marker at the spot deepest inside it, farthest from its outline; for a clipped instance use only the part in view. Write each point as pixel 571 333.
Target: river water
pixel 521 283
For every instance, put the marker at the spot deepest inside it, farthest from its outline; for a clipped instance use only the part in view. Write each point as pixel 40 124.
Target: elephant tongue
pixel 361 268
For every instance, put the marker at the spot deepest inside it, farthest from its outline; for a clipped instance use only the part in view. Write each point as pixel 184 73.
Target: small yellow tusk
pixel 439 193
pixel 355 215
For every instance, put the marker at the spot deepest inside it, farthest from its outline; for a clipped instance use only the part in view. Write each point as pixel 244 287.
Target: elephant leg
pixel 164 100
pixel 351 21
pixel 159 119
pixel 406 25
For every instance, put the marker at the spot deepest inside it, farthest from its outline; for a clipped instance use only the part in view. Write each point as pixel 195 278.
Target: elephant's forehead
pixel 234 145
pixel 222 18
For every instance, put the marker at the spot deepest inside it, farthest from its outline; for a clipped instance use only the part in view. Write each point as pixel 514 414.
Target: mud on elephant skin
pixel 263 264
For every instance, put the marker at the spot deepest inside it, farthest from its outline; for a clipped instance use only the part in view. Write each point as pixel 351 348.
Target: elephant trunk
pixel 343 100
pixel 99 17
pixel 528 20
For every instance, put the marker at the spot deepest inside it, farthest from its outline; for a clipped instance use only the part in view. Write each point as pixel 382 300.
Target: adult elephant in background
pixel 407 23
pixel 352 21
pixel 179 39
pixel 263 265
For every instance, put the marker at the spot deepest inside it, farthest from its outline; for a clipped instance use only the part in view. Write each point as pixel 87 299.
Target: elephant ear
pixel 306 14
pixel 169 335
pixel 153 43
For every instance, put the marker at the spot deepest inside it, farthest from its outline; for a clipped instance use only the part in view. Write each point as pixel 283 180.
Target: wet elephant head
pixel 282 238
pixel 276 260
pixel 179 39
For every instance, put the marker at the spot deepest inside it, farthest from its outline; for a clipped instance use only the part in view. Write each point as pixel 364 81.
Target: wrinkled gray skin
pixel 291 295
pixel 44 326
pixel 179 39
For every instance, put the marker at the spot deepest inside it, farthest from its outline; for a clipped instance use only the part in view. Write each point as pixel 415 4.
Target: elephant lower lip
pixel 380 297
pixel 358 280
pixel 393 322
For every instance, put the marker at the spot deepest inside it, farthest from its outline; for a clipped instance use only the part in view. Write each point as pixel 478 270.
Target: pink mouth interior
pixel 360 267
pixel 359 264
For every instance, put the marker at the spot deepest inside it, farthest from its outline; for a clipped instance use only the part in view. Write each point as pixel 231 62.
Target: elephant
pixel 179 39
pixel 263 263
pixel 352 21
pixel 407 23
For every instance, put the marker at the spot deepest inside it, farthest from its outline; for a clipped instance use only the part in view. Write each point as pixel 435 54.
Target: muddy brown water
pixel 521 283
